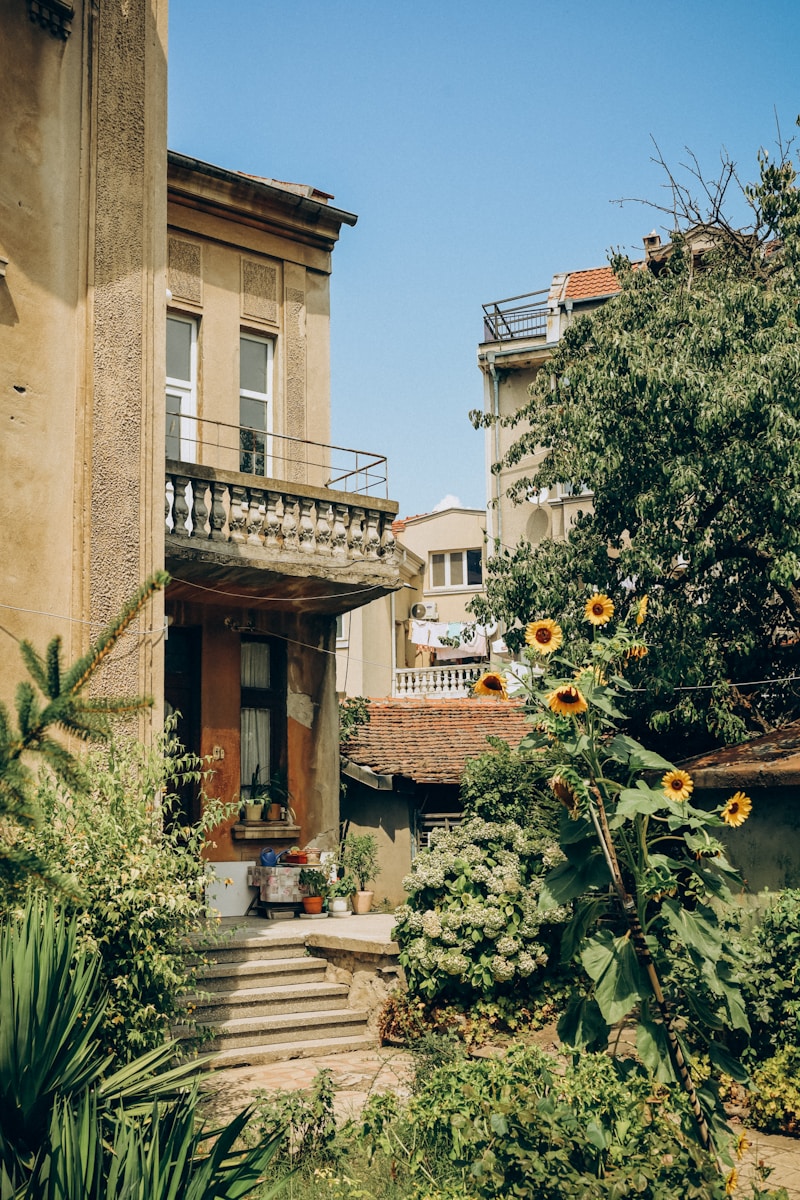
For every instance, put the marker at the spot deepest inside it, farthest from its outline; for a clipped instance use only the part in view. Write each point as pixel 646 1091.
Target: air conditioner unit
pixel 424 612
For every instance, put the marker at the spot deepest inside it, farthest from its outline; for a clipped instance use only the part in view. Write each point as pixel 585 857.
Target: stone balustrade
pixel 445 681
pixel 280 520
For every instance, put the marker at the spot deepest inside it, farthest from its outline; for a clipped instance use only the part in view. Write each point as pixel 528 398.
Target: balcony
pixel 277 520
pixel 516 317
pixel 445 682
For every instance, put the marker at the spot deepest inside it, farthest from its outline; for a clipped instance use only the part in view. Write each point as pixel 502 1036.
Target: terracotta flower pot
pixel 312 904
pixel 274 812
pixel 362 903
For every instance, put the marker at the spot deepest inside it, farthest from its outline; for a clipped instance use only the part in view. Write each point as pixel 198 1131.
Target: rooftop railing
pixel 507 320
pixel 258 452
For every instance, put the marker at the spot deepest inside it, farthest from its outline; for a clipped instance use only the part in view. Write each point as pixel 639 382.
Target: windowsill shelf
pixel 260 831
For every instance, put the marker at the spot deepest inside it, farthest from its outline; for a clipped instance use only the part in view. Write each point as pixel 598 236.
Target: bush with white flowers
pixel 471 925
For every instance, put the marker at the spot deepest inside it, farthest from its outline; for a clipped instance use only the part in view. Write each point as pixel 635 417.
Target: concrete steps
pixel 268 1001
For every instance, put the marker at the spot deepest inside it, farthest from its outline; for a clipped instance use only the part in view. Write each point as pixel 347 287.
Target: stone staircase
pixel 266 1001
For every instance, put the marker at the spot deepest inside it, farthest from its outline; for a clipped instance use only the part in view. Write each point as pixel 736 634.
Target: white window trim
pixel 265 397
pixel 447 586
pixel 186 392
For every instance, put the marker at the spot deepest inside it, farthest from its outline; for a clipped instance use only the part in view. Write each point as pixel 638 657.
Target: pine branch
pixel 79 675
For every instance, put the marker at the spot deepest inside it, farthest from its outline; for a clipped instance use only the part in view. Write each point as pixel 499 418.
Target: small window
pixel 342 629
pixel 456 569
pixel 255 404
pixel 263 705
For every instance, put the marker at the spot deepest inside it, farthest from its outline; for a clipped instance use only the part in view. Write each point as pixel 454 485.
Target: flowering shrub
pixel 471 925
pixel 138 881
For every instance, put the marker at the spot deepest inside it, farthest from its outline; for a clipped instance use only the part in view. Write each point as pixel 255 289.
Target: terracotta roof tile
pixel 598 281
pixel 429 741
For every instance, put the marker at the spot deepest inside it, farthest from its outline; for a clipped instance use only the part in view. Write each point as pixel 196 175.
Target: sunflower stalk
pixel 642 950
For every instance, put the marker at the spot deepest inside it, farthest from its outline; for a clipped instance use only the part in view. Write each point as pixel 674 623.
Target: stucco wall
pixel 766 849
pixel 386 815
pixel 82 198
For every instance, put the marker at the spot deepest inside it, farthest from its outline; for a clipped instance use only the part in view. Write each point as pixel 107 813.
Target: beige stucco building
pixel 520 334
pixel 164 372
pixel 393 646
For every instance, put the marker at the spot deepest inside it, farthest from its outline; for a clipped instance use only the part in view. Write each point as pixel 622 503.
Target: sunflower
pixel 677 785
pixel 737 810
pixel 566 700
pixel 637 650
pixel 545 636
pixel 731 1182
pixel 599 609
pixel 641 611
pixel 742 1145
pixel 563 790
pixel 491 684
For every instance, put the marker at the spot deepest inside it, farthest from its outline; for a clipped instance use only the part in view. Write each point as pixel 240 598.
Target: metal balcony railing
pixel 507 320
pixel 257 452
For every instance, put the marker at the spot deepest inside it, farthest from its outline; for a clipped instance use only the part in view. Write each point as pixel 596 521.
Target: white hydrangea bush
pixel 471 924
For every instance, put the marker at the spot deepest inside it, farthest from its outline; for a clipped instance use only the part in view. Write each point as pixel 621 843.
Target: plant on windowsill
pixel 316 885
pixel 359 857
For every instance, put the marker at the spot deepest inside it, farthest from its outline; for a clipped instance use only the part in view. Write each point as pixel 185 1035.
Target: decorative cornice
pixel 53 15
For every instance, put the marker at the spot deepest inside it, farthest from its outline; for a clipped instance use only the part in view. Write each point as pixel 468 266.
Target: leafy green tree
pixel 55 697
pixel 678 404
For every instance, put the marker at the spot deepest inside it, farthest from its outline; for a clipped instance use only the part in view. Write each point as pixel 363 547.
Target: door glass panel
pixel 255 750
pixel 179 349
pixel 255 664
pixel 173 425
pixel 253 365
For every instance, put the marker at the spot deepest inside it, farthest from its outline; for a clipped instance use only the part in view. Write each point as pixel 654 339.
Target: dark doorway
pixel 182 695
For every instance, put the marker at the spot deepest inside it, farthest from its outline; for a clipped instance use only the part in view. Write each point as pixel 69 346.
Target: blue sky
pixel 483 146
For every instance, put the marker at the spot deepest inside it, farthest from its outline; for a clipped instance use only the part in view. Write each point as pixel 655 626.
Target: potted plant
pixel 339 894
pixel 316 885
pixel 359 857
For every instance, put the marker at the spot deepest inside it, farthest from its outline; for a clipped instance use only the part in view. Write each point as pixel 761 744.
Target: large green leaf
pixel 619 983
pixel 698 929
pixel 653 1048
pixel 582 1025
pixel 565 882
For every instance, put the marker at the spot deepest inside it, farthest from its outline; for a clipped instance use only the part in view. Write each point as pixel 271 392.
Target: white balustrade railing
pixel 276 519
pixel 445 682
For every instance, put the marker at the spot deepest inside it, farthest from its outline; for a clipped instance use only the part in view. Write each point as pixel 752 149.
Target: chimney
pixel 652 242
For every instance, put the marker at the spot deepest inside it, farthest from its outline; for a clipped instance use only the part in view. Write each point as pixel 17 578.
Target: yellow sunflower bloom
pixel 742 1145
pixel 599 609
pixel 491 684
pixel 677 785
pixel 641 612
pixel 737 810
pixel 566 700
pixel 545 636
pixel 731 1182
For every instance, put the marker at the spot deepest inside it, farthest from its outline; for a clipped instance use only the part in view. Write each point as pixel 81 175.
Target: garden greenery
pixel 137 879
pixel 471 926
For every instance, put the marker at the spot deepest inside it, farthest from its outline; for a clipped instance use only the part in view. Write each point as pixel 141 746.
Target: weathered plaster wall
pixel 766 849
pixel 82 194
pixel 387 816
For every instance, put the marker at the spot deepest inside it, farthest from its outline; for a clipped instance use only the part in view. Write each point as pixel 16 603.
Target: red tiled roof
pixel 429 741
pixel 767 761
pixel 583 285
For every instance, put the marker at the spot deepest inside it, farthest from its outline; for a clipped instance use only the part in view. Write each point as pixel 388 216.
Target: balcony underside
pixel 201 574
pixel 264 542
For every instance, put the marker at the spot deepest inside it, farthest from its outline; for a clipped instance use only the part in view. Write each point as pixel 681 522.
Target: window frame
pixel 272 700
pixel 185 391
pixel 448 555
pixel 266 398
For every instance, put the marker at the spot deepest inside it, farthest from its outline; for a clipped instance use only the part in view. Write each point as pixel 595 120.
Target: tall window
pixel 263 705
pixel 182 389
pixel 255 404
pixel 456 569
